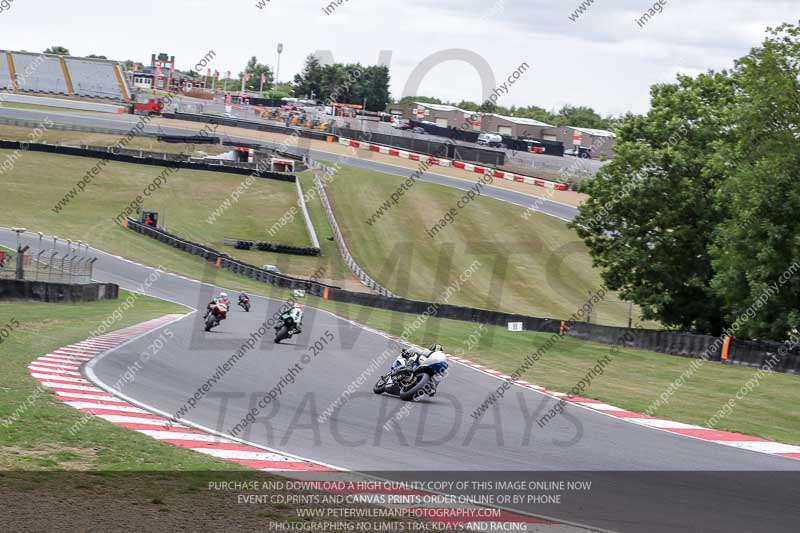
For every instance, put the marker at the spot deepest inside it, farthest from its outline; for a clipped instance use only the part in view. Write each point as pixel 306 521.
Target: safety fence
pixel 359 272
pixel 784 357
pixel 48 265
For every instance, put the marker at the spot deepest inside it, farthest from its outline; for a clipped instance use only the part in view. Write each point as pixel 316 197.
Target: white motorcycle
pixel 413 378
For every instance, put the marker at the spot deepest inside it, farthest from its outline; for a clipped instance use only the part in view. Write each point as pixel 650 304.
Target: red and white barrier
pixel 468 167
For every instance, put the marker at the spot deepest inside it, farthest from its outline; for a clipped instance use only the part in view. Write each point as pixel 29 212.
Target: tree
pixel 696 219
pixel 652 211
pixel 580 116
pixel 95 56
pixel 344 83
pixel 468 106
pixel 533 112
pixel 59 50
pixel 421 99
pixel 256 69
pixel 375 85
pixel 307 84
pixel 758 242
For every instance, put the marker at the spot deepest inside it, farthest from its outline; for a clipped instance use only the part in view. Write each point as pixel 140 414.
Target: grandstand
pixel 25 72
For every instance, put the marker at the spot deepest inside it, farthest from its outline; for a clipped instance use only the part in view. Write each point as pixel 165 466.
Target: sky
pixel 603 58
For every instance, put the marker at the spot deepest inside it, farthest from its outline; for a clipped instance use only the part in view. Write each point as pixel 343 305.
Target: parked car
pixel 271 268
pixel 490 139
pixel 419 130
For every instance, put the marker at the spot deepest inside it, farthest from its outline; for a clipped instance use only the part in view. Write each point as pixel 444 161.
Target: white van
pixel 490 139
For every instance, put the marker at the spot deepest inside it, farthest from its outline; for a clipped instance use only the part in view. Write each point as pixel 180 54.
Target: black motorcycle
pixel 244 303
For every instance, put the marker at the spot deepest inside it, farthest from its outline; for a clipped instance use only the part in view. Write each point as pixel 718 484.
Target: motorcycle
pixel 411 380
pixel 217 313
pixel 285 330
pixel 244 303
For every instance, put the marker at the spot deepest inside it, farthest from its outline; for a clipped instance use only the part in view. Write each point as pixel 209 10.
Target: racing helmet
pixel 436 347
pixel 223 295
pixel 298 305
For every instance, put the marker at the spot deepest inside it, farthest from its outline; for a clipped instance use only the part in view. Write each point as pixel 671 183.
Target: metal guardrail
pixel 309 224
pixel 359 272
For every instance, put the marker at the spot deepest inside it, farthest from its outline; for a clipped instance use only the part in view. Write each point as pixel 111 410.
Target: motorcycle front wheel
pixel 283 333
pixel 209 322
pixel 380 386
pixel 416 388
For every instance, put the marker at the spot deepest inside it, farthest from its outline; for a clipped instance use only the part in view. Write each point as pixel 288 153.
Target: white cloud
pixel 603 59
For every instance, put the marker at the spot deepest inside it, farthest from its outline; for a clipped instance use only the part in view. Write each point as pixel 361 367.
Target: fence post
pixel 20 271
pixel 50 267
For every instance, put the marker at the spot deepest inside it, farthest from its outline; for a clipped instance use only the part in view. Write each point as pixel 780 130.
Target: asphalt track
pixel 645 479
pixel 125 122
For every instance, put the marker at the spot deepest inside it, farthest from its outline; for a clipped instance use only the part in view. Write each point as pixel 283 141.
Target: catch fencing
pixel 47 265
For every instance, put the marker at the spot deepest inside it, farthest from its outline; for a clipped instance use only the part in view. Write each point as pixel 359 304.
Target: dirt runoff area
pixel 106 502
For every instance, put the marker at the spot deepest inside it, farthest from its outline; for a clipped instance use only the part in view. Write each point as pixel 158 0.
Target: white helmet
pixel 223 295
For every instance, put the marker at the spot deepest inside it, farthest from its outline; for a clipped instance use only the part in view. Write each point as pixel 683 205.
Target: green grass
pixel 184 204
pixel 40 438
pixel 150 144
pixel 40 107
pixel 548 273
pixel 633 380
pixel 79 475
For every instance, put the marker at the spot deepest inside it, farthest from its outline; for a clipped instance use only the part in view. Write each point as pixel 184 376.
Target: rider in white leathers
pixel 414 356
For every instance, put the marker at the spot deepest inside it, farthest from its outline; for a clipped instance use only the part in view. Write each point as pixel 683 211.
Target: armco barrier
pixel 140 157
pixel 245 244
pixel 741 352
pixel 301 201
pixel 39 291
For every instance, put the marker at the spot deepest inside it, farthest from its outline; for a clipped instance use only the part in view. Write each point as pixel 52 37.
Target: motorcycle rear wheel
pixel 417 389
